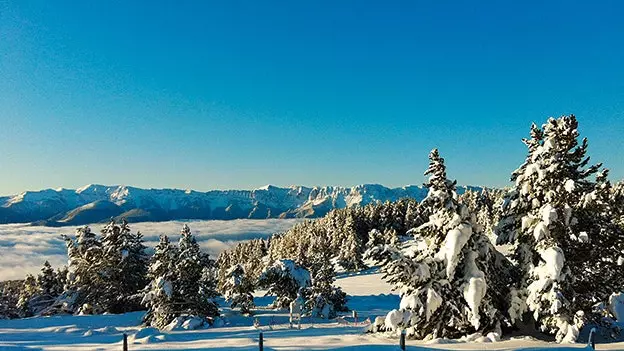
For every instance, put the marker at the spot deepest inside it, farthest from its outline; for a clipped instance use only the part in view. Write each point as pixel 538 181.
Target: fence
pixel 591 343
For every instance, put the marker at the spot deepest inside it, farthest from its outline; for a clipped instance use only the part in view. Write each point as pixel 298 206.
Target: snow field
pixel 368 297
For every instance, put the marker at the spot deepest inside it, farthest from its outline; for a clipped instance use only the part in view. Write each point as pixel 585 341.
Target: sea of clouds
pixel 24 248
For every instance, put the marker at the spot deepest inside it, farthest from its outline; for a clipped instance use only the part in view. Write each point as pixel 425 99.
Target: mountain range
pixel 97 203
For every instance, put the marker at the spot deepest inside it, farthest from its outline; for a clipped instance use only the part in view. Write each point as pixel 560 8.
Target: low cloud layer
pixel 24 249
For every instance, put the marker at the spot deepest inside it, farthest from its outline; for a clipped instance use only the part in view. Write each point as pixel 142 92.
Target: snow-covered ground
pixel 24 248
pixel 370 297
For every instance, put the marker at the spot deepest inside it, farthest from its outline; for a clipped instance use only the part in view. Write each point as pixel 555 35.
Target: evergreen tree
pixel 283 279
pixel 567 241
pixel 84 283
pixel 48 288
pixel 48 282
pixel 350 256
pixel 182 282
pixel 448 274
pixel 195 284
pixel 617 203
pixel 159 297
pixel 9 297
pixel 323 299
pixel 29 290
pixel 239 289
pixel 124 266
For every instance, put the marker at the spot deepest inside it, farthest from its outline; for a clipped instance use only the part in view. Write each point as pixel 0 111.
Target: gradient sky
pixel 213 95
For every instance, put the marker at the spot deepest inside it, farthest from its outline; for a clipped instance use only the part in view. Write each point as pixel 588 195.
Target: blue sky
pixel 205 95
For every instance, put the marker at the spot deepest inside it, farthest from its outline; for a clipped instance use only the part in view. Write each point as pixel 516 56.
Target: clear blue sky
pixel 229 94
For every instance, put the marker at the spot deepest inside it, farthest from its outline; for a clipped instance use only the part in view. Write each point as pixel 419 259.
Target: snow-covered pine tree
pixel 48 289
pixel 350 256
pixel 323 299
pixel 5 304
pixel 568 244
pixel 617 202
pixel 61 277
pixel 84 284
pixel 124 266
pixel 29 290
pixel 450 277
pixel 239 288
pixel 411 215
pixel 382 247
pixel 196 280
pixel 283 279
pixel 159 297
pixel 9 297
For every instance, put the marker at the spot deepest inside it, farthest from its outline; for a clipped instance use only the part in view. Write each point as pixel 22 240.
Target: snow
pixel 299 274
pixel 410 302
pixel 67 333
pixel 434 301
pixel 517 306
pixel 616 306
pixel 144 332
pixel 165 286
pixel 549 215
pixel 583 237
pixel 475 289
pixel 554 260
pixel 569 185
pixel 393 319
pixel 540 231
pixel 454 242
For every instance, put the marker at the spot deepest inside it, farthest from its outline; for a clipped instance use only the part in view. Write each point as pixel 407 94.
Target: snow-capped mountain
pixel 96 203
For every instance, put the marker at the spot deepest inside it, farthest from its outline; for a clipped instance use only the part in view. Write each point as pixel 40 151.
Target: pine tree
pixel 29 290
pixel 323 299
pixel 283 279
pixel 84 283
pixel 48 288
pixel 196 282
pixel 159 297
pixel 182 283
pixel 567 241
pixel 447 274
pixel 350 256
pixel 9 297
pixel 617 202
pixel 239 289
pixel 124 266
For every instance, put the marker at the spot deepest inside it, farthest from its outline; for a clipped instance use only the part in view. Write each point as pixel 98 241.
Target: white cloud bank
pixel 24 249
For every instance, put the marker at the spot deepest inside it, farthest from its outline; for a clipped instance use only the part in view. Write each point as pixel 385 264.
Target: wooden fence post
pixel 402 340
pixel 592 339
pixel 261 342
pixel 125 342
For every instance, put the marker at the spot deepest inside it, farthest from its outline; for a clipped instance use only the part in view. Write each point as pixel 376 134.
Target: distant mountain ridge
pixel 96 203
